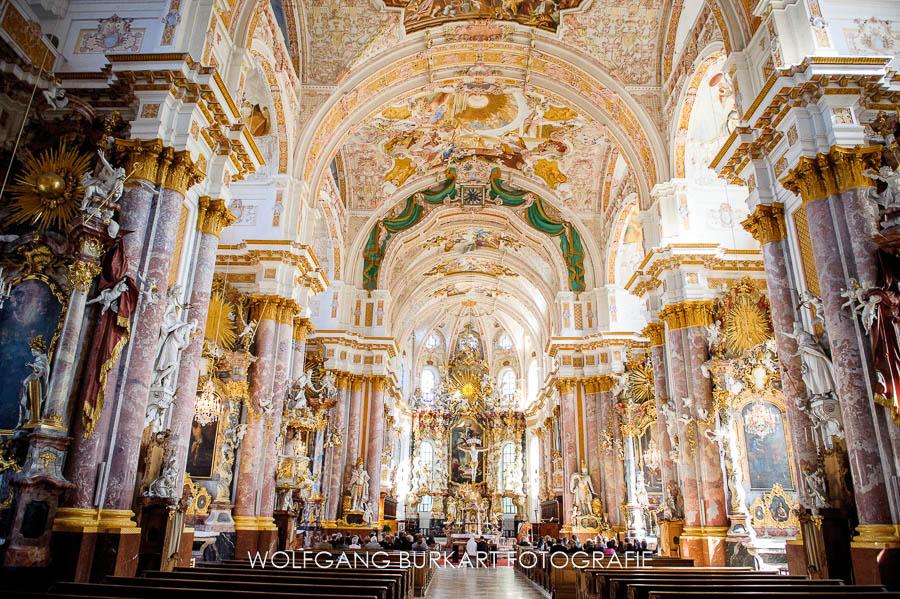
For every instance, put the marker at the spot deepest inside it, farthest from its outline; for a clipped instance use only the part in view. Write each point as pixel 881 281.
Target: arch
pixel 710 56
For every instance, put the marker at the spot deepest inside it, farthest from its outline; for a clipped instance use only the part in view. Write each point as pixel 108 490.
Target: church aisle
pixel 474 583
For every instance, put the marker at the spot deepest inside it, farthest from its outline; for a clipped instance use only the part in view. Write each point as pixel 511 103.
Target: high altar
pixel 468 446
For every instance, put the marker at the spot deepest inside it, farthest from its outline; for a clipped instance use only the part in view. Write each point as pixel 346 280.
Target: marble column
pixel 302 328
pixel 89 435
pixel 708 458
pixel 569 421
pixel 141 353
pixel 113 435
pixel 687 434
pixel 359 390
pixel 592 432
pixel 656 332
pixel 212 217
pixel 375 443
pixel 840 252
pixel 283 359
pixel 766 224
pixel 253 450
pixel 607 449
pixel 338 453
pixel 617 509
pixel 140 356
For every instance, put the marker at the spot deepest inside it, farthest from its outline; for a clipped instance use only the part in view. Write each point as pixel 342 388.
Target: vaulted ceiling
pixel 569 99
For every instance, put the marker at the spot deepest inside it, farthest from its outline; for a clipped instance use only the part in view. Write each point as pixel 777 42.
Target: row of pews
pixel 712 583
pixel 237 579
pixel 676 578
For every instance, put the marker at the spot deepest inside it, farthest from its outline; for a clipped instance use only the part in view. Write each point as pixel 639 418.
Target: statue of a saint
pixel 817 369
pixel 359 487
pixel 582 491
pixel 40 372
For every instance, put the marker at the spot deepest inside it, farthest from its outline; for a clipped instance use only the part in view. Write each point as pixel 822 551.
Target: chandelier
pixel 206 410
pixel 760 420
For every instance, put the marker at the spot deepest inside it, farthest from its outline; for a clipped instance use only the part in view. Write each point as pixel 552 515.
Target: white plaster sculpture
pixel 817 369
pixel 359 487
pixel 40 371
pixel 109 297
pixel 582 490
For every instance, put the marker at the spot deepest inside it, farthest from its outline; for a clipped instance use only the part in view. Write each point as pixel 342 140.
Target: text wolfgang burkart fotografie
pixel 281 560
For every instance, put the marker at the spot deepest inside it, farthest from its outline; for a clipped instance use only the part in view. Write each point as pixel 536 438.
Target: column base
pixel 252 534
pixel 89 544
pixel 875 553
pixel 704 544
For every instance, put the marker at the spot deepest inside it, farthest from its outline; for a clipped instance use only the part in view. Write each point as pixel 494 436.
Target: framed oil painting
pixel 466 452
pixel 201 458
pixel 766 446
pixel 32 309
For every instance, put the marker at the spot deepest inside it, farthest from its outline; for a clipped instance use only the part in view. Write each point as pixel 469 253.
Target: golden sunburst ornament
pixel 746 325
pixel 48 190
pixel 220 328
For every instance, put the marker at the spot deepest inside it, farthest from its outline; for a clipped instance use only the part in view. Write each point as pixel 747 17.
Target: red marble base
pixel 245 542
pixel 876 566
pixel 91 556
pixel 705 551
pixel 185 548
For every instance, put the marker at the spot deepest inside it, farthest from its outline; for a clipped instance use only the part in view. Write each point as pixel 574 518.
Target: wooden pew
pixel 391 582
pixel 764 595
pixel 337 587
pixel 592 581
pixel 641 591
pixel 136 591
pixel 615 586
pixel 404 574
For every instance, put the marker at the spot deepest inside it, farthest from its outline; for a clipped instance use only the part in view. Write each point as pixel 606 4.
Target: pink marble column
pixel 375 443
pixel 661 391
pixel 594 457
pixel 619 487
pixel 851 372
pixel 86 452
pixel 709 464
pixel 359 386
pixel 252 453
pixel 338 453
pixel 283 359
pixel 141 356
pixel 569 420
pixel 679 390
pixel 781 302
pixel 212 217
pixel 607 453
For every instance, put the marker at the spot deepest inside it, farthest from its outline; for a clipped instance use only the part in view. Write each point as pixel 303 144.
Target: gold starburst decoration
pixel 640 382
pixel 746 325
pixel 48 190
pixel 220 328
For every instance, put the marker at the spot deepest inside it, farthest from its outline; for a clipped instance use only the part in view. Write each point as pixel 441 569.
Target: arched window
pixel 431 342
pixel 505 342
pixel 425 504
pixel 428 384
pixel 508 384
pixel 507 463
pixel 426 454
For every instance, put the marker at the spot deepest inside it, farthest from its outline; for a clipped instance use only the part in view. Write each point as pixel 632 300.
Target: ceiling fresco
pixel 543 14
pixel 532 133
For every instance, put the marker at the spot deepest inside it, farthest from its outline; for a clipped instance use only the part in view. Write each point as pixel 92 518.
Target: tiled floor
pixel 475 583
